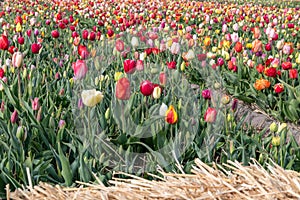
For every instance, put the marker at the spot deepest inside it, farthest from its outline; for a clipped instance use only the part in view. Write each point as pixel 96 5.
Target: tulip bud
pixel 39 114
pixel 281 127
pixel 61 124
pixel 210 115
pixel 14 117
pixel 107 114
pixel 275 141
pixel 17 59
pixel 21 133
pixel 225 99
pixel 273 127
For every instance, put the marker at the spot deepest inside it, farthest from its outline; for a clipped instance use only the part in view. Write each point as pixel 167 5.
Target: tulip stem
pixel 19 87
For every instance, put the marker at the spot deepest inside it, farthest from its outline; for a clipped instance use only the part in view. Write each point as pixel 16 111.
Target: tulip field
pixel 92 87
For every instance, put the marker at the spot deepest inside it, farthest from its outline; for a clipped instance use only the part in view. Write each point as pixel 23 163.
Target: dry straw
pixel 205 182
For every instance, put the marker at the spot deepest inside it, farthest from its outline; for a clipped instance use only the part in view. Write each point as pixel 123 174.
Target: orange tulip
pixel 262 84
pixel 207 41
pixel 256 33
pixel 256 45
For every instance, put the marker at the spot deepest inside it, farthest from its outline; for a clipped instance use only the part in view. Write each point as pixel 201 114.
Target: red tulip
pixel 171 65
pixel 206 94
pixel 18 19
pixel 291 25
pixel 278 88
pixel 146 88
pixel 260 68
pixel 21 40
pixel 80 69
pixel 28 32
pixel 55 34
pixel 268 47
pixel 171 115
pixel 72 28
pixel 83 52
pixel 110 33
pixel 12 49
pixel 62 25
pixel 129 66
pixel 220 61
pixel 123 89
pixel 35 48
pixel 293 73
pixel 75 34
pixel 271 72
pixel 238 47
pixel 1 73
pixel 286 65
pixel 210 115
pixel 92 36
pixel 4 44
pixel 85 34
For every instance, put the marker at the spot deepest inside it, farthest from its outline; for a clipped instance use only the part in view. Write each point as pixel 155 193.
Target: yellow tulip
pixel 19 27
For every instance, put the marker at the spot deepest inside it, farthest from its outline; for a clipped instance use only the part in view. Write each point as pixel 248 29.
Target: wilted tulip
pixel 80 69
pixel 123 89
pixel 91 97
pixel 17 59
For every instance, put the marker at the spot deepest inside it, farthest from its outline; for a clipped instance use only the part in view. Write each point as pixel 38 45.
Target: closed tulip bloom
pixel 17 59
pixel 279 44
pixel 293 73
pixel 4 44
pixel 234 37
pixel 123 89
pixel 175 48
pixel 80 69
pixel 91 97
pixel 146 88
pixel 156 92
pixel 35 48
pixel 171 115
pixel 210 115
pixel 139 65
pixel 120 45
pixel 55 34
pixel 134 42
pixel 14 117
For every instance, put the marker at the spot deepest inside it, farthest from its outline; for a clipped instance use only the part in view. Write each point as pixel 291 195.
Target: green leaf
pixel 66 168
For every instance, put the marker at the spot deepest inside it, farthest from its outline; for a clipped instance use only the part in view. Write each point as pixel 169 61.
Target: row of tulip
pixel 89 87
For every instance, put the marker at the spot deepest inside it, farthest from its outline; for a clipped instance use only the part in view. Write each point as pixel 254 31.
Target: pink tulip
pixel 210 115
pixel 14 117
pixel 123 89
pixel 80 69
pixel 139 65
pixel 35 103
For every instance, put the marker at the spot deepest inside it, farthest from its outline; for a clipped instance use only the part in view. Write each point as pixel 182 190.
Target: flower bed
pixel 92 87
